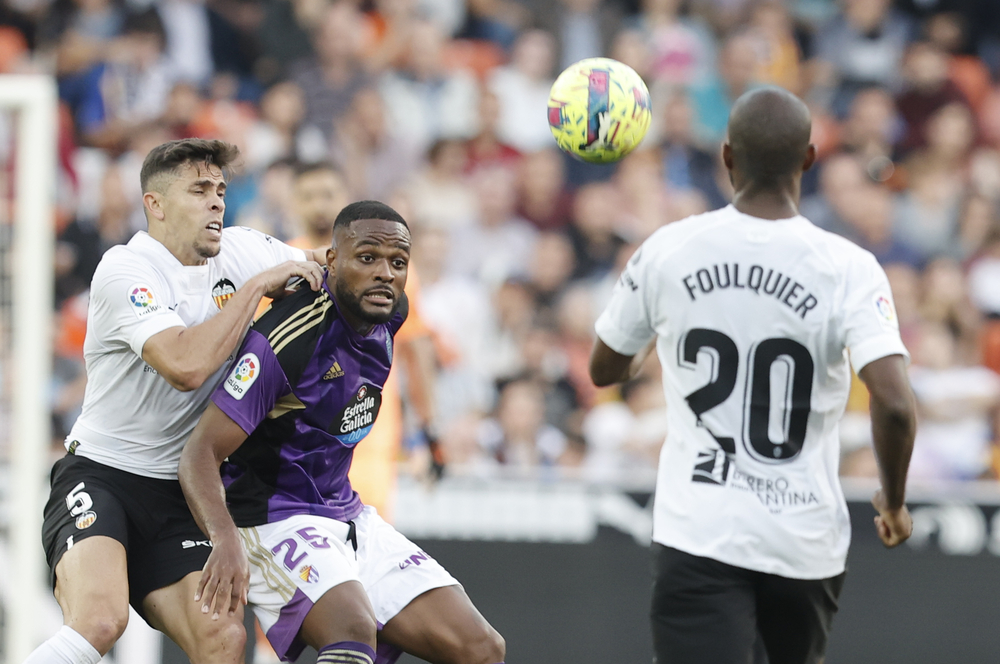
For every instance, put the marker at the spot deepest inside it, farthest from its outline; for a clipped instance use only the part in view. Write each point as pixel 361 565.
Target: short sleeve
pixel 257 251
pixel 254 385
pixel 626 325
pixel 871 328
pixel 130 304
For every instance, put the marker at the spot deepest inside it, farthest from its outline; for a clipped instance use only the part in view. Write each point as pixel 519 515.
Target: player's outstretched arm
pixel 226 577
pixel 187 356
pixel 608 367
pixel 894 424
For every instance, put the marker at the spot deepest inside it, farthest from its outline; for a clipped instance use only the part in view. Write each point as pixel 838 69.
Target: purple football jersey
pixel 306 388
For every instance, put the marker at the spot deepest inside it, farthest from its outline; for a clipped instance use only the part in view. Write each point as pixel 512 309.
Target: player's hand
pixel 275 280
pixel 894 526
pixel 225 581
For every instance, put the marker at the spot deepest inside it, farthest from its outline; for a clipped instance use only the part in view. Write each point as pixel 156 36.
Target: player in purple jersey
pixel 321 568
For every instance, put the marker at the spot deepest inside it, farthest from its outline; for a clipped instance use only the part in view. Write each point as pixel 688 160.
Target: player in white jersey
pixel 757 316
pixel 167 310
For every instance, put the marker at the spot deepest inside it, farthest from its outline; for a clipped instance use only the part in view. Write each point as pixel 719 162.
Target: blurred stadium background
pixel 438 107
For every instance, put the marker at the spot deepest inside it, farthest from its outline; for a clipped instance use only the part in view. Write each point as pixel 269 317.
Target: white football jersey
pixel 132 418
pixel 756 321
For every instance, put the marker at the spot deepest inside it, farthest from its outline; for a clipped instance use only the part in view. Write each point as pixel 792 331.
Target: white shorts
pixel 295 561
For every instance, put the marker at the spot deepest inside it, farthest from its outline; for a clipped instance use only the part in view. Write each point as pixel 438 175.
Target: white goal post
pixel 33 100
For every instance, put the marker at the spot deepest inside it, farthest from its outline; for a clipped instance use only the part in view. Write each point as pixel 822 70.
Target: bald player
pixel 757 317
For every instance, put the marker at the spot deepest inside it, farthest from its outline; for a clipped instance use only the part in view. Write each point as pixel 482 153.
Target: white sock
pixel 67 647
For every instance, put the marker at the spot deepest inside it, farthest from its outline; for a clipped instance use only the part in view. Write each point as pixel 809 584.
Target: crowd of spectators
pixel 438 108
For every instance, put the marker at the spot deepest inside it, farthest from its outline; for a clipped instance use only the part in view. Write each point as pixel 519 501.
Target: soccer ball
pixel 599 110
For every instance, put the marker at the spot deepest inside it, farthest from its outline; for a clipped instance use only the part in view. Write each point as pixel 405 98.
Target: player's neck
pixel 768 203
pixel 182 250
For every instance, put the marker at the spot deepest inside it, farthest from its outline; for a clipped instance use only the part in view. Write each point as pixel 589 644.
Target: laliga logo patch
pixel 142 300
pixel 86 520
pixel 242 376
pixel 886 312
pixel 309 574
pixel 222 291
pixel 356 420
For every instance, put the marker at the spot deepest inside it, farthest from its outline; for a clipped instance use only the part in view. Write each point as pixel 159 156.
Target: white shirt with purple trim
pixel 132 418
pixel 757 324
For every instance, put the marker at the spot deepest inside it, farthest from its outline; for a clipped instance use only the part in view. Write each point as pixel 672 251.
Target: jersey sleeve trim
pixel 152 327
pixel 876 348
pixel 617 340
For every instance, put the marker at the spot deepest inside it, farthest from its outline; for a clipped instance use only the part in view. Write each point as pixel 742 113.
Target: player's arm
pixel 894 424
pixel 226 577
pixel 187 356
pixel 608 367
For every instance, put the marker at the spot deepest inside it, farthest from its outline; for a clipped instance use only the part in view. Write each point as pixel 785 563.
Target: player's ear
pixel 727 156
pixel 331 257
pixel 153 202
pixel 810 157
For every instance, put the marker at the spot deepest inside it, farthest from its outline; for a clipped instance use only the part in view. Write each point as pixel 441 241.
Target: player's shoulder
pixel 837 249
pixel 294 311
pixel 125 261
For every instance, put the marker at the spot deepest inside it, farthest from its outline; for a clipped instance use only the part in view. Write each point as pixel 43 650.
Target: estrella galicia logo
pixel 222 291
pixel 142 301
pixel 356 419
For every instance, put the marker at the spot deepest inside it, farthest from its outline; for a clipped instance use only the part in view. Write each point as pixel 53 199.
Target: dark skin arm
pixel 894 424
pixel 225 580
pixel 608 367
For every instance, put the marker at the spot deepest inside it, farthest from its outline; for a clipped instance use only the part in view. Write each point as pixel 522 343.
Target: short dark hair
pixel 367 210
pixel 169 157
pixel 147 22
pixel 307 167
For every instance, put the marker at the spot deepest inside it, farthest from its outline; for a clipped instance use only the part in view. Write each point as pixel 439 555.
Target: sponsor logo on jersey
pixel 222 291
pixel 356 419
pixel 142 300
pixel 334 372
pixel 190 544
pixel 415 559
pixel 243 375
pixel 886 312
pixel 309 574
pixel 86 520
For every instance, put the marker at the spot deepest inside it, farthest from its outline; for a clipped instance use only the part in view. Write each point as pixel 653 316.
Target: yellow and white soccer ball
pixel 599 110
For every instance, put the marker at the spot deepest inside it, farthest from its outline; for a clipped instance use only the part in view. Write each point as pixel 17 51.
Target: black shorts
pixel 707 611
pixel 148 516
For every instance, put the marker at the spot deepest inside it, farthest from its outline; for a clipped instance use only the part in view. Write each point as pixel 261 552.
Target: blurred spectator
pixel 79 31
pixel 595 240
pixel 82 243
pixel 713 96
pixel 280 132
pixel 626 436
pixel 956 405
pixel 870 130
pixel 544 199
pixel 861 48
pixel 927 90
pixel 498 246
pixel 522 87
pixel 517 435
pixel 546 365
pixel 582 28
pixel 575 315
pixel 319 193
pixel 681 49
pixel 127 87
pixel 332 77
pixel 485 148
pixel 945 300
pixel 947 31
pixel 841 178
pixel 552 265
pixel 200 41
pixel 283 35
pixel 423 101
pixel 869 215
pixel 374 159
pixel 439 194
pixel 685 165
pixel 778 59
pixel 927 212
pixel 271 210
